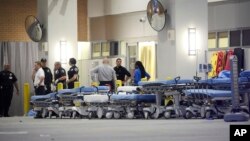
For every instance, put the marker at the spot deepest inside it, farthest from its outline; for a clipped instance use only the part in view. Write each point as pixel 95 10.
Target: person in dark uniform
pixel 72 73
pixel 121 72
pixel 59 75
pixel 48 76
pixel 7 80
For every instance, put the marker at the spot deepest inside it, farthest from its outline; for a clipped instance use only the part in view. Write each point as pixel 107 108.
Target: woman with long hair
pixel 139 72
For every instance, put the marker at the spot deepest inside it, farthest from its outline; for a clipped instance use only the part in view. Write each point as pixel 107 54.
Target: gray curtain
pixel 21 56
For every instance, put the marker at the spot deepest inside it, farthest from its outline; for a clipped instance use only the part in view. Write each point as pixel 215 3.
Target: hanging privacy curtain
pixel 148 58
pixel 21 56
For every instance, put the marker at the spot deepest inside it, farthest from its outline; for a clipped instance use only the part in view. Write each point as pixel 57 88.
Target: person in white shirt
pixel 38 76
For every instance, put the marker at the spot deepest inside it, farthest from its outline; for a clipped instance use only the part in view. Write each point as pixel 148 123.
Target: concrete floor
pixel 29 129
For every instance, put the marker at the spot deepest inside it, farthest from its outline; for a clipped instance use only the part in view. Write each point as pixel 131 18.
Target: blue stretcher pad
pixel 70 91
pixel 94 89
pixel 89 89
pixel 223 80
pixel 245 73
pixel 48 96
pixel 103 88
pixel 166 82
pixel 209 92
pixel 148 98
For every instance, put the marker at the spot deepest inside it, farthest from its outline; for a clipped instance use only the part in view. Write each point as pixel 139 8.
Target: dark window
pixel 234 38
pixel 246 37
pixel 114 50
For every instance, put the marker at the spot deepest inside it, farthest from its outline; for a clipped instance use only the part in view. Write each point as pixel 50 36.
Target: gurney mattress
pixel 209 92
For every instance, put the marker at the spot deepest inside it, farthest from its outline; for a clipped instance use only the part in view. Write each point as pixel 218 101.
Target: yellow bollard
pixel 94 84
pixel 59 86
pixel 26 98
pixel 167 100
pixel 169 78
pixel 118 83
pixel 76 84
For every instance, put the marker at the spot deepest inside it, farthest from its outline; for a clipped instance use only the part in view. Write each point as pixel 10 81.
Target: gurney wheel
pixel 131 115
pixel 44 113
pixel 90 115
pixel 109 115
pixel 100 112
pixel 156 113
pixel 167 115
pixel 74 114
pixel 117 115
pixel 38 115
pixel 188 115
pixel 60 115
pixel 50 114
pixel 208 114
pixel 146 115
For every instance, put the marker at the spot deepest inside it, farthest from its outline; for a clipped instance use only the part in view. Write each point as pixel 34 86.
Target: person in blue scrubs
pixel 139 73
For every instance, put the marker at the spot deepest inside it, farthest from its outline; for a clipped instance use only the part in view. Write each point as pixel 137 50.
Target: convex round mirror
pixel 156 15
pixel 33 28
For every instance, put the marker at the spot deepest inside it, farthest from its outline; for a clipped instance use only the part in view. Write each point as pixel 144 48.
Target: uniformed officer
pixel 121 72
pixel 59 74
pixel 7 80
pixel 72 73
pixel 48 76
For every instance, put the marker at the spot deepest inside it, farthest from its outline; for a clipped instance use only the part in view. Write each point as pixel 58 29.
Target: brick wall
pixel 14 12
pixel 82 17
pixel 12 17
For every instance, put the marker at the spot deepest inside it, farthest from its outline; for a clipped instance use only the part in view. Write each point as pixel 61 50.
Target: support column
pixel 166 49
pixel 60 22
pixel 190 14
pixel 172 56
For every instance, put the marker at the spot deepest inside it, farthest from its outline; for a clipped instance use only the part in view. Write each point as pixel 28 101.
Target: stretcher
pixel 41 103
pixel 70 101
pixel 211 103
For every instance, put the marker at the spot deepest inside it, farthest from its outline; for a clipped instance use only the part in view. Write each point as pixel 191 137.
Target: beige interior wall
pixel 120 27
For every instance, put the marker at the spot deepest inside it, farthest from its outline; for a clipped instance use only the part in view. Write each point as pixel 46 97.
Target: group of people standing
pixel 107 75
pixel 43 78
